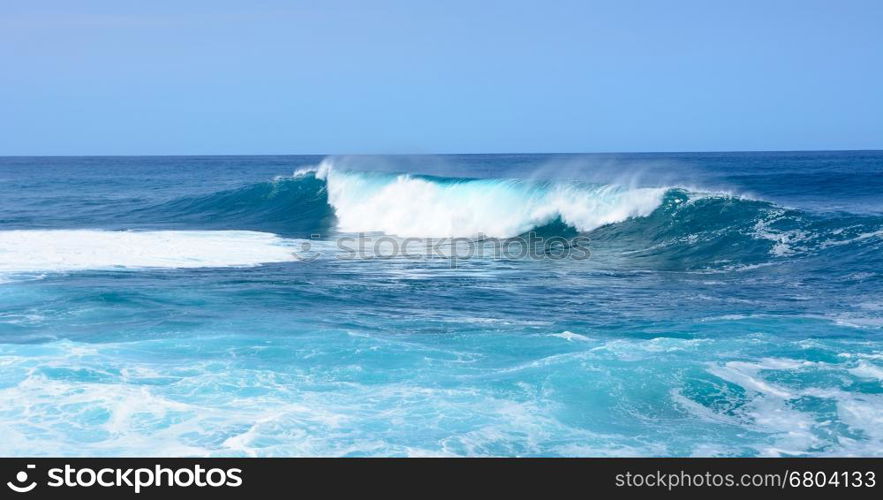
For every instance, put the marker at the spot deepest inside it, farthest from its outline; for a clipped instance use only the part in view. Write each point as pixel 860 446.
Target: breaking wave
pixel 662 226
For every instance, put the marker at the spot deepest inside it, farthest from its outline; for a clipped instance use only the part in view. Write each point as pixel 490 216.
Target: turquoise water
pixel 731 305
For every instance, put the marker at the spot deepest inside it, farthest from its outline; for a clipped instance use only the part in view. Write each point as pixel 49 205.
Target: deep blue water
pixel 731 305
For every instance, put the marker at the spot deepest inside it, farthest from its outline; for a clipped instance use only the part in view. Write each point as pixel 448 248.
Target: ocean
pixel 696 304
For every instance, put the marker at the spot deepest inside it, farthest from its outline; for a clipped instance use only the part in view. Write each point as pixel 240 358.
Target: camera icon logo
pixel 21 478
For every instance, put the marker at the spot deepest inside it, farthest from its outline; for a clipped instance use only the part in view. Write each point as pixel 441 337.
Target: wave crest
pixel 647 227
pixel 416 206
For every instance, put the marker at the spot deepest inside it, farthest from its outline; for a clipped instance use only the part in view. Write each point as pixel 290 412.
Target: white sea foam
pixel 785 243
pixel 746 375
pixel 87 399
pixel 867 370
pixel 769 407
pixel 29 251
pixel 570 336
pixel 404 205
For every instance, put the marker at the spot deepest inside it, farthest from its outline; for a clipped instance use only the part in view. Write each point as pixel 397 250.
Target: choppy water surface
pixel 732 304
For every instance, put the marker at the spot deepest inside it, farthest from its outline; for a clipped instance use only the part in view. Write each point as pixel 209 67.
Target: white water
pixel 70 250
pixel 408 206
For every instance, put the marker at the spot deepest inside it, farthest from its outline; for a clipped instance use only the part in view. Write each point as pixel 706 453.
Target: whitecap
pixel 409 206
pixel 35 251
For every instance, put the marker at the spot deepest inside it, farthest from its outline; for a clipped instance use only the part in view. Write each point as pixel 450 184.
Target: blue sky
pixel 255 77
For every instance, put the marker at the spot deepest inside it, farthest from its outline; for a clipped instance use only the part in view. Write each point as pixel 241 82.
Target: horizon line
pixel 185 155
